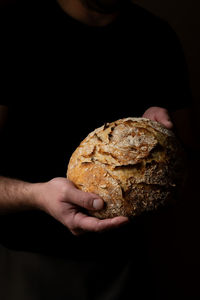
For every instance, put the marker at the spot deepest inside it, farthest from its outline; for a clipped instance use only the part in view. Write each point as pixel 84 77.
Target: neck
pixel 78 11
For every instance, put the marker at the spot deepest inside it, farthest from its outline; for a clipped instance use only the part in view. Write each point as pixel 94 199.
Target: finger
pixel 149 116
pixel 162 116
pixel 88 201
pixel 92 224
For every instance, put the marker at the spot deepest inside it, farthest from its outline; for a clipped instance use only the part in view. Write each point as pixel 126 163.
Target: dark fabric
pixel 62 79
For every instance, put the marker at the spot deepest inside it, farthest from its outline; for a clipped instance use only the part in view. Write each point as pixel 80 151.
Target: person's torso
pixel 66 79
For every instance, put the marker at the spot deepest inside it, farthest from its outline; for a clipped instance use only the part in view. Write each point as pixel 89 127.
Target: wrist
pixel 36 198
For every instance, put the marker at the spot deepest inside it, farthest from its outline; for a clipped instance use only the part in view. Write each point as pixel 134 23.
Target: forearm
pixel 17 195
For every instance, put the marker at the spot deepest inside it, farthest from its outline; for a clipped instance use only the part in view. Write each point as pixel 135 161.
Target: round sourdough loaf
pixel 134 164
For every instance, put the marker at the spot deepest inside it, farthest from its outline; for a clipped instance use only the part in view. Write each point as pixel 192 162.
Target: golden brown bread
pixel 134 164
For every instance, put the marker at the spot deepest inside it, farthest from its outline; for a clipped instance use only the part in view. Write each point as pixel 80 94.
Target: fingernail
pixel 98 204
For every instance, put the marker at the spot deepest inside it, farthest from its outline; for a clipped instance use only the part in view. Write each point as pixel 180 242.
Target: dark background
pixel 177 242
pixel 181 247
pixel 183 16
pixel 174 243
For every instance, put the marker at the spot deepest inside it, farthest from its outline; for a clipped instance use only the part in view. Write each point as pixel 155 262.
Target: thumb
pixel 86 200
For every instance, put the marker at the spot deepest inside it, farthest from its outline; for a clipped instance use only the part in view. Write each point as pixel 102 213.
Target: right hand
pixel 63 201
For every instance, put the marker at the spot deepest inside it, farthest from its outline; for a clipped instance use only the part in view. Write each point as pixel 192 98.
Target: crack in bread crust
pixel 134 164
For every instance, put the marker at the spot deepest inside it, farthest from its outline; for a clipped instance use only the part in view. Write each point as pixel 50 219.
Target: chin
pixel 104 6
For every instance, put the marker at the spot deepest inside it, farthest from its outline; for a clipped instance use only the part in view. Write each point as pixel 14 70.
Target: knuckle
pixel 98 227
pixel 86 202
pixel 73 229
pixel 64 189
pixel 74 232
pixel 77 232
pixel 164 111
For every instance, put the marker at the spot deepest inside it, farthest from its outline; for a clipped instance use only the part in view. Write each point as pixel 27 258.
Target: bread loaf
pixel 134 164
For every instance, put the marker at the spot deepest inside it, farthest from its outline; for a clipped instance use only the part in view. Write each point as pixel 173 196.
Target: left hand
pixel 160 115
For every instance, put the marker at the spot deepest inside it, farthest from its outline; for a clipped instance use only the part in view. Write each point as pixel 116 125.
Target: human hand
pixel 160 115
pixel 63 201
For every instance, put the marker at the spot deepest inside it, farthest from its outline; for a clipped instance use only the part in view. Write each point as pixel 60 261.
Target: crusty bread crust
pixel 134 164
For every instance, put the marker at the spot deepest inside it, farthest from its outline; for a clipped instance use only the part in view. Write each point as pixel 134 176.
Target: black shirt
pixel 62 79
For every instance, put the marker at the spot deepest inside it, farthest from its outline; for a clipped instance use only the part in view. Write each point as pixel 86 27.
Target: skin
pixel 92 12
pixel 59 197
pixel 160 115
